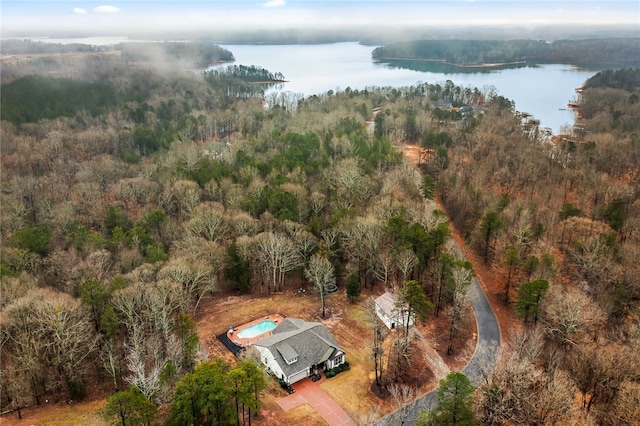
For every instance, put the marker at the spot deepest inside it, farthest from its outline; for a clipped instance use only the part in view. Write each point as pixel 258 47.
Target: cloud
pixel 79 11
pixel 274 3
pixel 106 9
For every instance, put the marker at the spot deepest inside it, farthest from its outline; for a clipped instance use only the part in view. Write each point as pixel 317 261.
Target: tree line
pixel 247 73
pixel 33 98
pixel 90 63
pixel 17 46
pixel 186 54
pixel 627 79
pixel 470 52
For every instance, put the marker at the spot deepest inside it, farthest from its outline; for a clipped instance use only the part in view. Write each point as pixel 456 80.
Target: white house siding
pixel 389 313
pixel 270 362
pixel 385 319
pixel 307 342
pixel 333 363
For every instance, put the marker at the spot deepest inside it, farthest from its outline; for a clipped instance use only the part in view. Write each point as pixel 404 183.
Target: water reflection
pixel 445 68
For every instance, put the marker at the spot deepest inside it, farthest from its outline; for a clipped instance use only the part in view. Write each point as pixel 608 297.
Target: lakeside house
pixel 298 349
pixel 390 312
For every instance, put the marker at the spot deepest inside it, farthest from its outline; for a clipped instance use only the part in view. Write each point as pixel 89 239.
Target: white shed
pixel 391 314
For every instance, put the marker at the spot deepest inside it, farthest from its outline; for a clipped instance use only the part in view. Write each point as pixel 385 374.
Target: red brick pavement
pixel 310 392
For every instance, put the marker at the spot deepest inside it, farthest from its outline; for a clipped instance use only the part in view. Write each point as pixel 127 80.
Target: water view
pixel 542 91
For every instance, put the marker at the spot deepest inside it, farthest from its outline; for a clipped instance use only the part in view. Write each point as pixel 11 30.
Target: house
pixel 391 314
pixel 298 349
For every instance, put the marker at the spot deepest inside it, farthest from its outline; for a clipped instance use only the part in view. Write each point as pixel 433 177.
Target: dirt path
pixel 439 368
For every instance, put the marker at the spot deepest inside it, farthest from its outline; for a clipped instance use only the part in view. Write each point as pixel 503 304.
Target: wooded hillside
pixel 93 63
pixel 470 52
pixel 118 221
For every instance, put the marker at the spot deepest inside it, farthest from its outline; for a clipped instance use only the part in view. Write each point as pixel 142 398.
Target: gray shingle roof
pixel 287 352
pixel 310 341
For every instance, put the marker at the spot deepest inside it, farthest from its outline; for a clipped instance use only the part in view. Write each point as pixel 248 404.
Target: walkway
pixel 310 392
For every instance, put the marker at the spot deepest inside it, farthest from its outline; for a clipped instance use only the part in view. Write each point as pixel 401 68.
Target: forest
pixel 159 191
pixel 92 63
pixel 627 79
pixel 603 52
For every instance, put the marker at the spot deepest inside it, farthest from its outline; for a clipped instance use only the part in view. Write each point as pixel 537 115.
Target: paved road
pixel 481 362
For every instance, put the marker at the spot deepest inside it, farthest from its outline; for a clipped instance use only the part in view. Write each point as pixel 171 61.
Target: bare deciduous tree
pixel 144 364
pixel 317 202
pixel 111 361
pixel 49 335
pixel 462 276
pixel 321 273
pixel 278 254
pixel 379 335
pixel 626 407
pixel 207 221
pixel 599 371
pixel 402 395
pixel 406 261
pixel 348 181
pixel 13 288
pixel 569 316
pixel 304 240
pixel 384 266
pixel 243 224
pixel 182 197
pixel 193 275
pixel 361 239
pixel 520 393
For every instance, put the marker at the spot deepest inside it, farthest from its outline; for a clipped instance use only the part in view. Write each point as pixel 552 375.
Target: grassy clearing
pixel 78 414
pixel 347 323
pixel 351 388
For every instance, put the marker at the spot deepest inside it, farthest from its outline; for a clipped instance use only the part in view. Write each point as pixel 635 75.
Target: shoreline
pixel 268 82
pixel 444 61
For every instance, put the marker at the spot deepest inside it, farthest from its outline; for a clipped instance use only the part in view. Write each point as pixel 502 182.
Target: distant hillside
pixel 32 98
pixel 473 52
pixel 16 47
pixel 88 62
pixel 626 79
pixel 195 55
pixel 610 102
pixel 185 54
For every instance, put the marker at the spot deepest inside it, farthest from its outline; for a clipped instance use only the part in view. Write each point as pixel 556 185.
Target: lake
pixel 542 90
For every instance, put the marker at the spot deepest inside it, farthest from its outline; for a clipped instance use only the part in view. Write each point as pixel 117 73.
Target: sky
pixel 32 18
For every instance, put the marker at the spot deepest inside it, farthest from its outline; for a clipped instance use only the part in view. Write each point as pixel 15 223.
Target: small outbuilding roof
pixel 387 302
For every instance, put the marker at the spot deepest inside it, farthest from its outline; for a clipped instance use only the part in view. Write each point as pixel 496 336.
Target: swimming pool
pixel 257 329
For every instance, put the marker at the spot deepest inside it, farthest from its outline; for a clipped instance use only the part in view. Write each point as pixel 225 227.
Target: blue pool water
pixel 257 329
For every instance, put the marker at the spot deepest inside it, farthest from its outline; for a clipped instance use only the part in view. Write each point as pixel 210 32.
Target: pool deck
pixel 232 334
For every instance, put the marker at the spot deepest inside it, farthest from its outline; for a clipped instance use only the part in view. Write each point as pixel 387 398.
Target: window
pixel 291 361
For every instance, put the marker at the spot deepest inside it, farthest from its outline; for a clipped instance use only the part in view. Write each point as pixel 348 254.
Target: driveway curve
pixel 480 364
pixel 482 361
